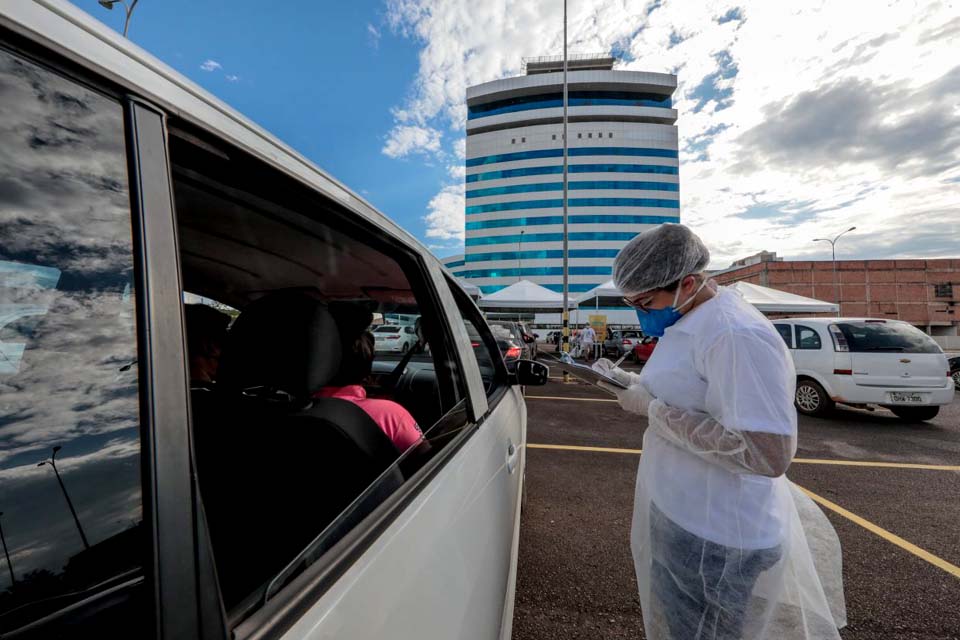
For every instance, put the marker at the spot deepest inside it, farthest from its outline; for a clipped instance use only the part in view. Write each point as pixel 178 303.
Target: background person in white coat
pixel 718 545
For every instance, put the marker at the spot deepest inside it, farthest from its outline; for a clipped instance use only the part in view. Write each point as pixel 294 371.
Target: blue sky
pixel 795 121
pixel 312 73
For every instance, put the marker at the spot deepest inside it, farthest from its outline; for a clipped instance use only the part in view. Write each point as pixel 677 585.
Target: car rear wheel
pixel 811 399
pixel 955 374
pixel 915 414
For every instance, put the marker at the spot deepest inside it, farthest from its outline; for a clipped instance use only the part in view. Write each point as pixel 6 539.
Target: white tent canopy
pixel 605 290
pixel 525 295
pixel 768 300
pixel 472 290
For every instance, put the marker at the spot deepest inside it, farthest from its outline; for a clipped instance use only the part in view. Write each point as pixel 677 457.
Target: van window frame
pixel 283 608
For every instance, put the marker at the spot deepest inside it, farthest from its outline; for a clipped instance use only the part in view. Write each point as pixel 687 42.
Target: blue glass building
pixel 622 178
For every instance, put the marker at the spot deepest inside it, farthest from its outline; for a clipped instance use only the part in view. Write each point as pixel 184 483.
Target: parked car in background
pixel 530 338
pixel 392 338
pixel 644 349
pixel 553 337
pixel 134 189
pixel 620 341
pixel 512 333
pixel 955 371
pixel 867 361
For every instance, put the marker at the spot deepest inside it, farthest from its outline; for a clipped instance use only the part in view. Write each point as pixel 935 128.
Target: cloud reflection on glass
pixel 67 332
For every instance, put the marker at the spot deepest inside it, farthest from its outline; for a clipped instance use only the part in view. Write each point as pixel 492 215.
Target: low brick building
pixel 924 293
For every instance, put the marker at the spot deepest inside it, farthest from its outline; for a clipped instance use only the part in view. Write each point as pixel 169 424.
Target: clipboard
pixel 585 373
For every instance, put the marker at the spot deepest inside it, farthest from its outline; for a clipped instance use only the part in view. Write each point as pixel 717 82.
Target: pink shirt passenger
pixel 395 421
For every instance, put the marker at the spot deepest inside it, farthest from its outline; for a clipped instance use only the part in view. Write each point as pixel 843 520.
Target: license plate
pixel 906 398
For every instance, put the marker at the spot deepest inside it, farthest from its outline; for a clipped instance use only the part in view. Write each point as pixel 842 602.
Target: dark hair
pixel 356 360
pixel 206 329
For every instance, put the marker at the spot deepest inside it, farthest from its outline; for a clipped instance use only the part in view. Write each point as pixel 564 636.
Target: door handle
pixel 513 457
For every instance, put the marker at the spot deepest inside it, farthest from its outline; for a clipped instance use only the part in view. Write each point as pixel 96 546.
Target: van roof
pixel 71 32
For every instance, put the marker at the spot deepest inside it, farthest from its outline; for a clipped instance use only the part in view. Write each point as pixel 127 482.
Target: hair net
pixel 658 257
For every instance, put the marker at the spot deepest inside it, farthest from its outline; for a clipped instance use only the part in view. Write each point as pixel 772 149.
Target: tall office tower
pixel 622 173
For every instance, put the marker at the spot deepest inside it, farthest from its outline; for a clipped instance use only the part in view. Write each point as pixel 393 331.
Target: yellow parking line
pixel 840 463
pixel 565 447
pixel 577 399
pixel 936 561
pixel 889 465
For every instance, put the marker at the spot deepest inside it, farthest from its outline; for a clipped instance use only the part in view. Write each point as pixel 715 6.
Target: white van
pixel 215 471
pixel 866 361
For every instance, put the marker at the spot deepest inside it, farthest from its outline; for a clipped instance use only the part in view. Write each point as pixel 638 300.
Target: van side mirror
pixel 530 373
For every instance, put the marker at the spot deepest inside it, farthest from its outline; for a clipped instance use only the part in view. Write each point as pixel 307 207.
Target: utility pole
pixel 13 581
pixel 566 279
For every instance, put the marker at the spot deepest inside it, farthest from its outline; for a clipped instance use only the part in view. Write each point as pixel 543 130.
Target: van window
pixel 489 343
pixel 893 337
pixel 311 415
pixel 786 332
pixel 71 514
pixel 807 338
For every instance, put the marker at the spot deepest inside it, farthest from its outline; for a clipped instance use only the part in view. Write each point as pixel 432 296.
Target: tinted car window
pixel 807 338
pixel 69 424
pixel 785 331
pixel 887 336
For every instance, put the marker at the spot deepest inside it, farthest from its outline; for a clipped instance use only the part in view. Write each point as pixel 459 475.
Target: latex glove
pixel 607 368
pixel 636 399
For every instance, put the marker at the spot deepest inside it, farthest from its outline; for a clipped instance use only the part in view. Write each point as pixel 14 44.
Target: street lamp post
pixel 53 463
pixel 13 581
pixel 565 312
pixel 833 253
pixel 519 256
pixel 108 4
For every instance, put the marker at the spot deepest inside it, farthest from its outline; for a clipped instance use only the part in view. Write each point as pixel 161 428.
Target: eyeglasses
pixel 639 304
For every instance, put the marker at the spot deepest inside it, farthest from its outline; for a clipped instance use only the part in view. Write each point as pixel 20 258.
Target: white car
pixel 202 482
pixel 394 338
pixel 866 361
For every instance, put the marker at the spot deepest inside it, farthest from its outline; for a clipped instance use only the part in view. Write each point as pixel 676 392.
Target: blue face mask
pixel 655 321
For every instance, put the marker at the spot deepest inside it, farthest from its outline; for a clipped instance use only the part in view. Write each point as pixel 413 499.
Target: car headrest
pixel 286 341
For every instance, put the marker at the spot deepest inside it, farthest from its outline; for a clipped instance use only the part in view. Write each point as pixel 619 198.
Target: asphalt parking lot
pixel 893 494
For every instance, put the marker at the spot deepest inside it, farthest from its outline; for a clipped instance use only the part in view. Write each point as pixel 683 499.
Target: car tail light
pixel 512 352
pixel 393 337
pixel 843 372
pixel 839 340
pixel 474 344
pixel 627 342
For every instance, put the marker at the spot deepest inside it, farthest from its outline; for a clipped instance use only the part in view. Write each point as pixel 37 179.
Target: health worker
pixel 724 546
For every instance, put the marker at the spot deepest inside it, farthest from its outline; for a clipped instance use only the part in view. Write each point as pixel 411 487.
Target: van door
pixel 809 352
pixel 890 353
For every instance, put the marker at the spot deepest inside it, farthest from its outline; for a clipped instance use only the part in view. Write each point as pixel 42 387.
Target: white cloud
pixel 373 36
pixel 457 171
pixel 404 140
pixel 772 70
pixel 445 217
pixel 232 78
pixel 211 65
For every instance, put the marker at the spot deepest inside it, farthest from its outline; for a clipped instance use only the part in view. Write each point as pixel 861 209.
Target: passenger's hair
pixel 206 329
pixel 356 360
pixel 357 344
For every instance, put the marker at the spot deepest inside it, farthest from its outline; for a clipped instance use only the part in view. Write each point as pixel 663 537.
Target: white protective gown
pixel 720 547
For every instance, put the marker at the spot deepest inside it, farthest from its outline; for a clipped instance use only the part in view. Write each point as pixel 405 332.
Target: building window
pixel 513 141
pixel 554 136
pixel 523 139
pixel 579 135
pixel 943 290
pixel 589 135
pixel 610 135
